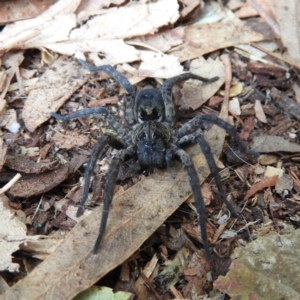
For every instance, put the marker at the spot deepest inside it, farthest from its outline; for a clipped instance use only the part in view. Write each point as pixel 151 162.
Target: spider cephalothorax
pixel 150 140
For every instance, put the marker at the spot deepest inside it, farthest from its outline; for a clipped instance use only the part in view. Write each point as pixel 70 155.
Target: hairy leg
pixel 101 143
pixel 194 124
pixel 167 92
pixel 123 81
pixel 111 179
pixel 196 188
pixel 99 110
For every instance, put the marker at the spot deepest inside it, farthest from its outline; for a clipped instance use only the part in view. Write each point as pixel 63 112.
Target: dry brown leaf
pixel 287 14
pixel 248 11
pixel 267 159
pixel 12 231
pixel 115 51
pixel 55 86
pixel 88 8
pixel 11 61
pixel 40 183
pixel 259 112
pixel 69 140
pixel 188 6
pixel 159 65
pixel 42 247
pixel 162 41
pixel 206 38
pixel 24 164
pixel 34 32
pixel 195 92
pixel 266 182
pixel 128 21
pixel 134 216
pixel 16 10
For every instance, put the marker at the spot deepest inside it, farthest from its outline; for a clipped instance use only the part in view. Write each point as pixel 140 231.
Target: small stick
pixel 10 183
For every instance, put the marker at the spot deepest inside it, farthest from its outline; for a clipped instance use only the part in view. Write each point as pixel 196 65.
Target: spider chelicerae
pixel 149 140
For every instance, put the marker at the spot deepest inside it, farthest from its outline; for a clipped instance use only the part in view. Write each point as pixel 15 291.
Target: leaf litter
pixel 158 56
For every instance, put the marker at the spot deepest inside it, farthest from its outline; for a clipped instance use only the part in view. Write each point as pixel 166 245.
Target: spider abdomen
pixel 151 153
pixel 152 139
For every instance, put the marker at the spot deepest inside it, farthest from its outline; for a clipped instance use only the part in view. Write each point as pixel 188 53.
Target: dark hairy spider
pixel 150 140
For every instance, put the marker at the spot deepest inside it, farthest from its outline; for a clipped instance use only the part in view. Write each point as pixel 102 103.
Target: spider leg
pixel 212 166
pixel 99 110
pixel 102 141
pixel 194 124
pixel 111 179
pixel 123 81
pixel 167 92
pixel 195 185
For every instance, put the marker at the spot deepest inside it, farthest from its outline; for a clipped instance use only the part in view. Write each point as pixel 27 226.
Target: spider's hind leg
pixel 198 198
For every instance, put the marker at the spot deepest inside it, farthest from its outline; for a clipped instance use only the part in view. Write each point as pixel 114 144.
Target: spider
pixel 149 140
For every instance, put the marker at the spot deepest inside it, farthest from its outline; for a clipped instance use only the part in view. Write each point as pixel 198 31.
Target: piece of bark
pixel 24 164
pixel 287 104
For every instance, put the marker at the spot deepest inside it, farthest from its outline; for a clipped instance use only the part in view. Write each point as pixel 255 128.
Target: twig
pixel 10 183
pixel 227 64
pixel 153 290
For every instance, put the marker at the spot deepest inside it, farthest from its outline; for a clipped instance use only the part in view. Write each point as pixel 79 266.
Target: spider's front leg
pixel 101 143
pixel 99 110
pixel 170 114
pixel 195 123
pixel 196 188
pixel 123 81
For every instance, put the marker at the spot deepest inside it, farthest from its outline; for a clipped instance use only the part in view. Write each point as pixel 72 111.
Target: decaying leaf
pixel 149 18
pixel 41 183
pixel 39 30
pixel 12 11
pixel 69 140
pixel 195 92
pixel 268 144
pixel 24 164
pixel 115 51
pixel 12 231
pixel 266 182
pixel 266 268
pixel 55 86
pixel 159 65
pixel 171 274
pixel 42 246
pixel 205 38
pixel 88 8
pixel 134 216
pixel 286 13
